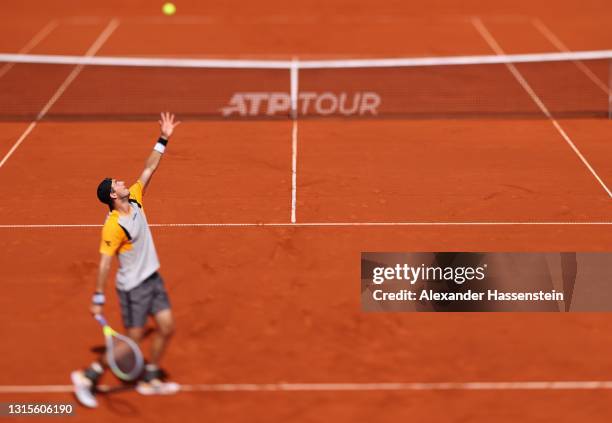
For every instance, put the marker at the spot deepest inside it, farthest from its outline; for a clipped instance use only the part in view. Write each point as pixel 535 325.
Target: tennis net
pixel 43 87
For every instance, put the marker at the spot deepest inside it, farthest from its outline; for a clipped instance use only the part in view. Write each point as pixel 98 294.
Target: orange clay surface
pixel 282 304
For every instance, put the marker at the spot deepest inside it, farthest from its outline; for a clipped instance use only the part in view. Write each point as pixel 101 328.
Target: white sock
pixel 97 367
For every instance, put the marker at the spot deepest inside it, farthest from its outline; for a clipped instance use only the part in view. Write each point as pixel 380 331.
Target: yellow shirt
pixel 128 236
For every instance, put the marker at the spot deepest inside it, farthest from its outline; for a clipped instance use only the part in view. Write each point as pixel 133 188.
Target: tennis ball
pixel 169 9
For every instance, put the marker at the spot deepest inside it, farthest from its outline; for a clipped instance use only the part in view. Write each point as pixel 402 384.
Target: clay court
pixel 259 223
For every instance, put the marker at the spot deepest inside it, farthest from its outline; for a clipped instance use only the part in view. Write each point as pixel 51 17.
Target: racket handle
pixel 100 319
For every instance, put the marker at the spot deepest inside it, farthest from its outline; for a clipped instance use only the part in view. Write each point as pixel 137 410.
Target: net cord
pixel 305 64
pixel 610 89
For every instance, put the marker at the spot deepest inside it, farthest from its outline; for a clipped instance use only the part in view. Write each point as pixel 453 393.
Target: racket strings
pixel 125 356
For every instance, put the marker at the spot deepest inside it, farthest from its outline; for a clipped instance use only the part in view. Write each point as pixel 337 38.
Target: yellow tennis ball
pixel 169 9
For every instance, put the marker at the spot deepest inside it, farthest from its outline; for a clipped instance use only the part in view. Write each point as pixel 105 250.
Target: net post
pixel 294 77
pixel 610 89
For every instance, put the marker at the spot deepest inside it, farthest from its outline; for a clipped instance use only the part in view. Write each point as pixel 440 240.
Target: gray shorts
pixel 148 298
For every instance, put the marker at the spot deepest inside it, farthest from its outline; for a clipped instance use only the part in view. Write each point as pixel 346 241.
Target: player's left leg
pixel 152 383
pixel 163 334
pixel 135 333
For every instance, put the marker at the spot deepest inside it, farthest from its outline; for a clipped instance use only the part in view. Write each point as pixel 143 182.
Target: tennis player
pixel 139 285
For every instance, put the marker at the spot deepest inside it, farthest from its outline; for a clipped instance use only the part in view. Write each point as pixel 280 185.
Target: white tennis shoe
pixel 83 389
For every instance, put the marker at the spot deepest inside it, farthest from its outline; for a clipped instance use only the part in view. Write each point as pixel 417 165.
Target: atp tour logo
pixel 327 103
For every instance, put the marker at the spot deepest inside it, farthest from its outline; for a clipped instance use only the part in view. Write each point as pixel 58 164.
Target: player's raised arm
pixel 167 125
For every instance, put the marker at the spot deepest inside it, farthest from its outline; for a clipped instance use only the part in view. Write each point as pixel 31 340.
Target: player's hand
pixel 95 309
pixel 167 124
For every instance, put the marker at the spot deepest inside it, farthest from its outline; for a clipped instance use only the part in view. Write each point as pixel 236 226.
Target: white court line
pixel 311 224
pixel 432 386
pixel 488 37
pixel 36 39
pixel 294 89
pixel 104 35
pixel 554 40
pixel 294 132
pixel 102 38
pixel 344 387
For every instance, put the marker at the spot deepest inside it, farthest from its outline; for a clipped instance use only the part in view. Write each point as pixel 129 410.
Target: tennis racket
pixel 122 353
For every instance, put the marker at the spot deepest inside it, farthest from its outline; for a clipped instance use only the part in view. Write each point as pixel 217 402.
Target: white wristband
pixel 160 148
pixel 98 298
